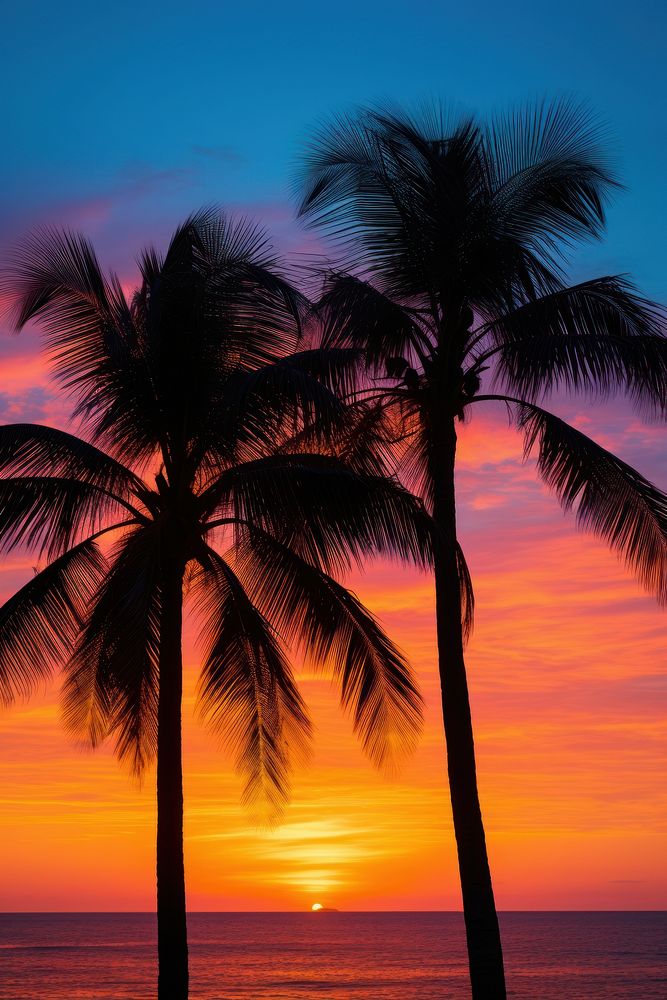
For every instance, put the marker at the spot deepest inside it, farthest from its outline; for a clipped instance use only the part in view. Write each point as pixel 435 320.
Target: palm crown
pixel 186 389
pixel 454 237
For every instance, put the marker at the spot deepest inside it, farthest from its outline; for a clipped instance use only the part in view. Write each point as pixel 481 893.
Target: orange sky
pixel 568 692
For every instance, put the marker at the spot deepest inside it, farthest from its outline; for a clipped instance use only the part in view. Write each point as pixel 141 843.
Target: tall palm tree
pixel 185 476
pixel 452 238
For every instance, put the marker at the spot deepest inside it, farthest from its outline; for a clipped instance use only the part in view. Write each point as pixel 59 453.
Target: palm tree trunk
pixel 483 935
pixel 171 921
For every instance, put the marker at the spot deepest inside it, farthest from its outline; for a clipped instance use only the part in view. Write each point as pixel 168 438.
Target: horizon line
pixel 152 913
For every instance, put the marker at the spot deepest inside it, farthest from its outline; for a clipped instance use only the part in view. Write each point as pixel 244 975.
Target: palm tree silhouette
pixel 186 472
pixel 452 237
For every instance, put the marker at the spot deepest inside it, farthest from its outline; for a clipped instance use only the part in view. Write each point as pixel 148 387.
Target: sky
pixel 119 122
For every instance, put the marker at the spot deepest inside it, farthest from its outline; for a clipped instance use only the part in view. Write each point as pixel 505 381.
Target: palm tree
pixel 184 480
pixel 452 238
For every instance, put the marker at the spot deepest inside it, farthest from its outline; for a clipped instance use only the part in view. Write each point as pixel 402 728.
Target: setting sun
pixel 316 906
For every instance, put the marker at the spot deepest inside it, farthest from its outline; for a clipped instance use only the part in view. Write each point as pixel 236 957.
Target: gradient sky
pixel 119 121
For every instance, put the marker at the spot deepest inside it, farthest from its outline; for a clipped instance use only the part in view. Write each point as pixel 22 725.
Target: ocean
pixel 333 956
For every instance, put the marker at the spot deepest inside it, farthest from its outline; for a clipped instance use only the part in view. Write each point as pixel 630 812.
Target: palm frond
pixel 36 450
pixel 263 407
pixel 329 513
pixel 150 263
pixel 548 175
pixel 363 439
pixel 413 453
pixel 334 162
pixel 347 191
pixel 55 279
pixel 55 276
pixel 40 622
pixel 467 595
pixel 611 499
pixel 332 628
pixel 48 514
pixel 256 311
pixel 355 314
pixel 366 440
pixel 598 337
pixel 337 368
pixel 111 685
pixel 247 691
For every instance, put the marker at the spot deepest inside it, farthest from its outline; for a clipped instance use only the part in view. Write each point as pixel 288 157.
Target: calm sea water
pixel 341 956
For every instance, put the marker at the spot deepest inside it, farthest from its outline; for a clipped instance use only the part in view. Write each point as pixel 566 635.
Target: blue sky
pixel 121 119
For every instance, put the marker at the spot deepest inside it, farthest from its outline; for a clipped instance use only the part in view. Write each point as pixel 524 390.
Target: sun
pixel 316 906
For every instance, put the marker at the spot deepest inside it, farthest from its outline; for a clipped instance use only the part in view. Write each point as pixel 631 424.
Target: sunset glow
pixel 565 673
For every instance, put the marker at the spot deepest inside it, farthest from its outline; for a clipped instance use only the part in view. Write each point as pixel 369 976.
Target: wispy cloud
pixel 221 154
